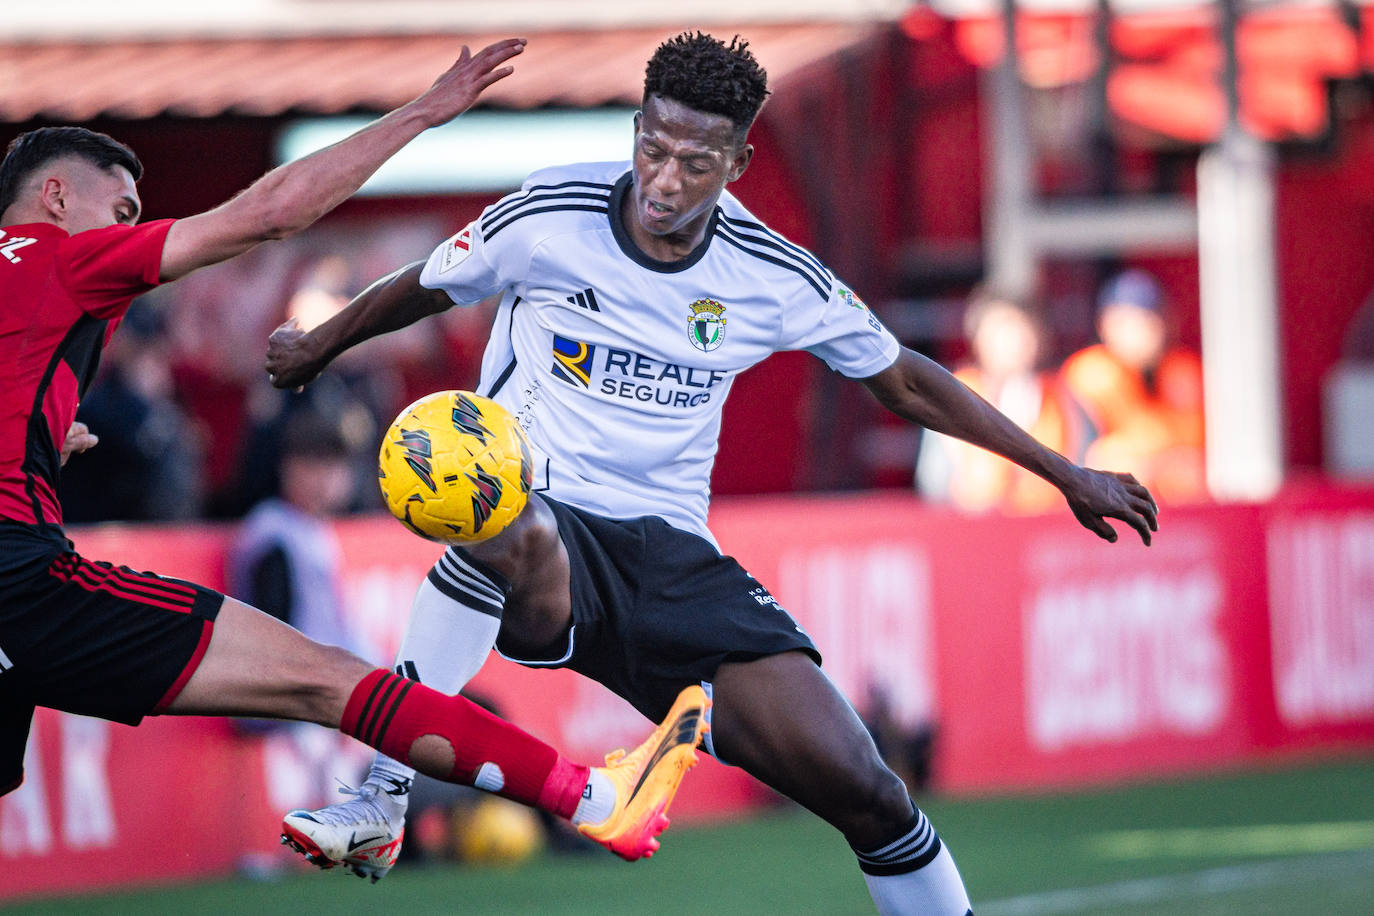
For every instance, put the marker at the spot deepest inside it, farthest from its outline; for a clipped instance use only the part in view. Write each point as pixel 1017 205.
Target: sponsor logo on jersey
pixel 572 361
pixel 706 324
pixel 632 376
pixel 456 250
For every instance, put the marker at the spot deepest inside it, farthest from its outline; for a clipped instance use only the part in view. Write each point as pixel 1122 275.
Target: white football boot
pixel 363 834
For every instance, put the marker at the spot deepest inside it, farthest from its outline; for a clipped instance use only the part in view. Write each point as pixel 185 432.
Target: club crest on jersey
pixel 706 324
pixel 456 250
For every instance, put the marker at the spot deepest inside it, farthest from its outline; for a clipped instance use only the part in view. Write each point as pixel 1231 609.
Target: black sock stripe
pixel 461 575
pixel 391 713
pixel 375 710
pixel 367 704
pixel 467 599
pixel 902 868
pixel 918 819
pixel 903 848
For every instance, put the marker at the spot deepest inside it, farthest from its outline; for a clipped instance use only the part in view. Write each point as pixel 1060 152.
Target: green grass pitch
pixel 1292 840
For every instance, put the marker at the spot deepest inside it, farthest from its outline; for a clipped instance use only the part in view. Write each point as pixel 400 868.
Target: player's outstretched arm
pixel 291 197
pixel 924 392
pixel 295 357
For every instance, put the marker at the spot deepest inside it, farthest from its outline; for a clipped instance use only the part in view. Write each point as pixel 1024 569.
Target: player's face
pixel 89 197
pixel 683 159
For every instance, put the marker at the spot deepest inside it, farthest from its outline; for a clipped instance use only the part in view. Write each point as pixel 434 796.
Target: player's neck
pixel 674 246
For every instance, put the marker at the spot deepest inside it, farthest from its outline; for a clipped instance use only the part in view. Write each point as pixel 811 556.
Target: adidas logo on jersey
pixel 585 300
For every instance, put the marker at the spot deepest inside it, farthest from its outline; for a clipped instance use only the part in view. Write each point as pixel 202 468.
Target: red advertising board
pixel 1041 656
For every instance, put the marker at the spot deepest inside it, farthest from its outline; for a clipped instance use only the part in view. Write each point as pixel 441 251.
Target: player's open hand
pixel 1095 496
pixel 458 87
pixel 79 438
pixel 291 362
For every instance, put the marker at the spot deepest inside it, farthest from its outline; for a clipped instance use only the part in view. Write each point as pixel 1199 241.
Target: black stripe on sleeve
pixel 822 291
pixel 514 201
pixel 600 207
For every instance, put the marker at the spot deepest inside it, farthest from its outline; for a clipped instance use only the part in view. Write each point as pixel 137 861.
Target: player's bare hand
pixel 458 87
pixel 1095 496
pixel 291 361
pixel 79 438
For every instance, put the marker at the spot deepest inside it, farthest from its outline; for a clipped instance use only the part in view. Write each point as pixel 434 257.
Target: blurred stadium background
pixel 1188 728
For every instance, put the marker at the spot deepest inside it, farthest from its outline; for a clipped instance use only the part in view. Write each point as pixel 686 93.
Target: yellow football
pixel 455 467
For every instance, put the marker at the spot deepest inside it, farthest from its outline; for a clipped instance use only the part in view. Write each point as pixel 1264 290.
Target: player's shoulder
pixel 15 238
pixel 555 199
pixel 768 250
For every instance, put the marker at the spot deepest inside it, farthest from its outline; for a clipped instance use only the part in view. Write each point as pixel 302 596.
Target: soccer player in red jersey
pixel 103 640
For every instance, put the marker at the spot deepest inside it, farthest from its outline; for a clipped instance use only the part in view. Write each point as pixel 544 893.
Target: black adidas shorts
pixel 656 609
pixel 90 638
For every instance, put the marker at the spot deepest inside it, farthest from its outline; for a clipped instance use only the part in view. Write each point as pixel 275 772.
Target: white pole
pixel 1239 318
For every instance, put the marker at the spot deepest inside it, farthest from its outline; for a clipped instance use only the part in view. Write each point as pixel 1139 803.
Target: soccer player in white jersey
pixel 632 294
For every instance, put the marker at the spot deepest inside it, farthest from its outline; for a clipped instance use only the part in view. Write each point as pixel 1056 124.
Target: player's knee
pixel 319 688
pixel 529 544
pixel 877 803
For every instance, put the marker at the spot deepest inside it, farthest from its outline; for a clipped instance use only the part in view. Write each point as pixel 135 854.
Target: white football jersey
pixel 617 365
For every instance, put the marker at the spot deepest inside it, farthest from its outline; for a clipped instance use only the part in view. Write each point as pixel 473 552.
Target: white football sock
pixel 914 874
pixel 598 799
pixel 454 620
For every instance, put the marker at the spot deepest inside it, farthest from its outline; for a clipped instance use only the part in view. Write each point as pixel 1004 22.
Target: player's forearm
pixel 291 197
pixel 391 303
pixel 923 392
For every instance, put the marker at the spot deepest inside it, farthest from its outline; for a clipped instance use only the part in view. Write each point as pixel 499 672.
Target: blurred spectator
pixel 1143 398
pixel 287 561
pixel 148 465
pixel 1005 339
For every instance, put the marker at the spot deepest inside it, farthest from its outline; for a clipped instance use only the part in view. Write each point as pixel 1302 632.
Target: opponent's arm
pixel 291 197
pixel 921 391
pixel 295 357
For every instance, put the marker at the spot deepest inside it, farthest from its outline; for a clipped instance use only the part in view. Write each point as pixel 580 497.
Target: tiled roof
pixel 78 81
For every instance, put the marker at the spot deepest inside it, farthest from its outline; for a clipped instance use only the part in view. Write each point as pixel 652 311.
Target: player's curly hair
pixel 35 148
pixel 705 74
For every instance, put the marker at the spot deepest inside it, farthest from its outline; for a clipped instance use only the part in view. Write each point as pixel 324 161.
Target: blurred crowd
pixel 1130 402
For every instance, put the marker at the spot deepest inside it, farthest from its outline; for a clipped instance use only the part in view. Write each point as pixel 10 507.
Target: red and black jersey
pixel 61 296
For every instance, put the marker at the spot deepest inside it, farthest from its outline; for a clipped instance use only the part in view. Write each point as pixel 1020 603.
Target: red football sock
pixel 390 712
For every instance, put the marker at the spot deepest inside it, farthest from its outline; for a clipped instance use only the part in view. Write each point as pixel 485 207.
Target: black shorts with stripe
pixel 90 638
pixel 656 609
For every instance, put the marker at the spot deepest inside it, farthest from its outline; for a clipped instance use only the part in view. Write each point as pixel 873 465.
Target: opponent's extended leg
pixel 781 719
pixel 257 666
pixel 454 619
pixel 453 624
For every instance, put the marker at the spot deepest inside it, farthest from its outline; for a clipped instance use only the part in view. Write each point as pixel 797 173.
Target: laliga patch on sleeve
pixel 456 250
